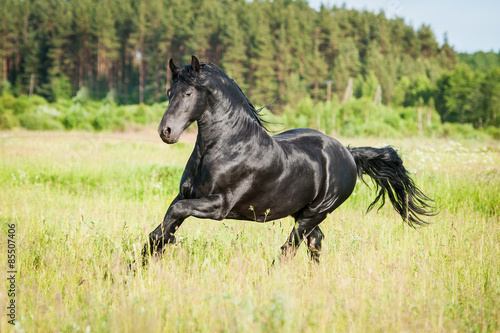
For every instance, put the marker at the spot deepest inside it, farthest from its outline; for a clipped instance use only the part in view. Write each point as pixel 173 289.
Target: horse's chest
pixel 198 184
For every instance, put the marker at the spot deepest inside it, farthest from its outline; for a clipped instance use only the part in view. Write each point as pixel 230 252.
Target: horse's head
pixel 186 101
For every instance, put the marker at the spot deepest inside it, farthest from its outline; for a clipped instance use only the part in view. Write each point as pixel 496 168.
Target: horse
pixel 238 171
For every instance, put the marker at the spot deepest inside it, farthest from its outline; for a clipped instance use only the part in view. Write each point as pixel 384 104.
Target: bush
pixel 461 131
pixel 77 117
pixel 61 87
pixel 157 110
pixel 494 132
pixel 6 87
pixel 82 95
pixel 380 130
pixel 141 115
pixel 39 121
pixel 25 104
pixel 107 119
pixel 7 101
pixel 359 117
pixel 7 119
pixel 392 119
pixel 301 115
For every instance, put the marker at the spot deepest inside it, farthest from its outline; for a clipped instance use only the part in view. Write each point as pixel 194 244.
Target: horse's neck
pixel 229 122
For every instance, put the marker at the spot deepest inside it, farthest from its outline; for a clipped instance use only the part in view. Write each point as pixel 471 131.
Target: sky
pixel 471 26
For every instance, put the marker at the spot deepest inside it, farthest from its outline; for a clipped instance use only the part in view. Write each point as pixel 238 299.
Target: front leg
pixel 210 207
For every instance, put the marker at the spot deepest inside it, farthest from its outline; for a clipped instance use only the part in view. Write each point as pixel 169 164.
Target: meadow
pixel 83 204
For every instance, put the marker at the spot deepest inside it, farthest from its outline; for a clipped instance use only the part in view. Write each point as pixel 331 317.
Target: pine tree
pixel 107 42
pixel 429 45
pixel 262 66
pixel 234 43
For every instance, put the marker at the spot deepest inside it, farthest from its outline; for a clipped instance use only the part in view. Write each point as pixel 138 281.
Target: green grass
pixel 83 204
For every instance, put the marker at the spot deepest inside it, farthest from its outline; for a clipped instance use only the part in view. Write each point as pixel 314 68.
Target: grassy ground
pixel 83 204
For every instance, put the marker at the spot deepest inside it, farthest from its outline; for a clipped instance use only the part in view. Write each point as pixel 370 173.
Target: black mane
pixel 188 75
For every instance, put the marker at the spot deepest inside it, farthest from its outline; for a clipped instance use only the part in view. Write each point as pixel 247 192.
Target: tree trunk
pixel 4 68
pixel 141 70
pixel 32 84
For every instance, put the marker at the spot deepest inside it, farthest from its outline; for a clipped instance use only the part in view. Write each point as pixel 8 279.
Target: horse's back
pixel 333 164
pixel 314 143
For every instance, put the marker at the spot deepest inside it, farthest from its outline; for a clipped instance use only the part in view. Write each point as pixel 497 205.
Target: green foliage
pixel 126 46
pixel 6 87
pixel 494 132
pixel 488 104
pixel 82 95
pixel 302 115
pixel 366 87
pixel 461 131
pixel 466 96
pixel 7 119
pixel 108 117
pixel 81 112
pixel 41 118
pixel 61 87
pixel 8 101
pixel 25 104
pixel 480 61
pixel 361 117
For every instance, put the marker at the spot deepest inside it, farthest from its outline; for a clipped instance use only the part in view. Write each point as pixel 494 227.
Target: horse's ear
pixel 195 64
pixel 174 69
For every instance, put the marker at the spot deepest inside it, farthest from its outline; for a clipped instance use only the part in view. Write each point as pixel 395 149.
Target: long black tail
pixel 386 168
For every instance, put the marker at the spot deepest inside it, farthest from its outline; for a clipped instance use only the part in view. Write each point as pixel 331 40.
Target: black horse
pixel 238 171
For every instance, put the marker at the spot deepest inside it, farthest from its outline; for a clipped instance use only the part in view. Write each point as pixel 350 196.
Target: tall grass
pixel 83 204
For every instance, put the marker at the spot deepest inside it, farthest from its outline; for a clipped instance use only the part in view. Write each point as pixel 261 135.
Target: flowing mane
pixel 188 76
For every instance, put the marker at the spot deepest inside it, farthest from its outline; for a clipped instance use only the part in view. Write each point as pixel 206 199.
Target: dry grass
pixel 83 204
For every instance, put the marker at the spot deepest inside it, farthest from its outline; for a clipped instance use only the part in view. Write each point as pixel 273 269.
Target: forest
pixel 71 62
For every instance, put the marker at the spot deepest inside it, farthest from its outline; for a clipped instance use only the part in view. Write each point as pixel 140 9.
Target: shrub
pixel 300 115
pixel 7 101
pixel 6 87
pixel 61 87
pixel 76 117
pixel 157 110
pixel 25 103
pixel 461 131
pixel 392 119
pixel 82 95
pixel 494 132
pixel 39 121
pixel 141 114
pixel 107 118
pixel 7 119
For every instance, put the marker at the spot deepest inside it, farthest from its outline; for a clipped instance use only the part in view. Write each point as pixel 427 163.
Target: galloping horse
pixel 238 171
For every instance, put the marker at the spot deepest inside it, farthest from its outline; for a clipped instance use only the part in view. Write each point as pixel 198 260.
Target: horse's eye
pixel 188 93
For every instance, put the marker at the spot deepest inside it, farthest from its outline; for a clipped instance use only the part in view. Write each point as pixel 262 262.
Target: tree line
pixel 279 52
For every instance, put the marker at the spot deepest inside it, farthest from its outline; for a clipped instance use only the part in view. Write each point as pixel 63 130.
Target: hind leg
pixel 306 228
pixel 314 243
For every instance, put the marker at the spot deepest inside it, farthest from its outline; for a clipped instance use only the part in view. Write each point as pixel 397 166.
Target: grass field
pixel 83 204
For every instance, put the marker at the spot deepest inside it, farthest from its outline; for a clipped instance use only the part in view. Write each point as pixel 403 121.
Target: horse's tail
pixel 386 168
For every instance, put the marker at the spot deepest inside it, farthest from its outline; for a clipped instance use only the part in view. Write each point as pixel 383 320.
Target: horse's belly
pixel 276 198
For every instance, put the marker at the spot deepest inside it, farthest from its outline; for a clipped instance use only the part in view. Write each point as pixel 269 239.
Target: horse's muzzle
pixel 166 135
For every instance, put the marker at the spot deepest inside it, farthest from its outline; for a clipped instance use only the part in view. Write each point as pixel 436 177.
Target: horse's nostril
pixel 167 131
